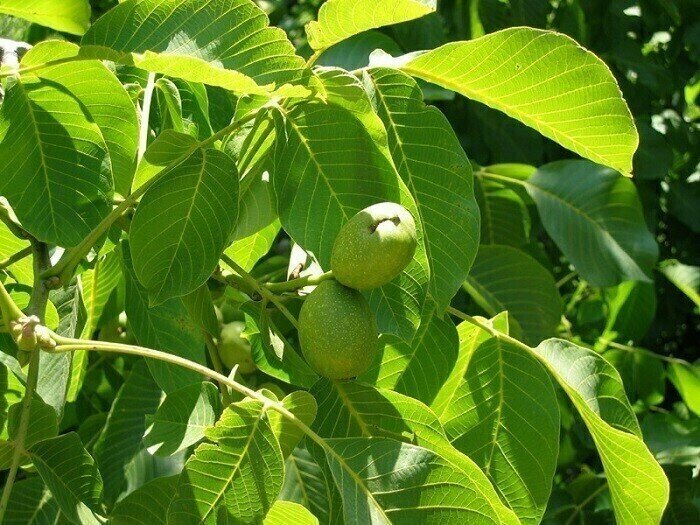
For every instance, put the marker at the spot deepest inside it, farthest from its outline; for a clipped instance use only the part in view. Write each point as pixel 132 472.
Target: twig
pixel 301 282
pixel 12 259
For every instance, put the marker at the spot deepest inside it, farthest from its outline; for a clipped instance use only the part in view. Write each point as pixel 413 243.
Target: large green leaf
pixel 54 157
pixel 357 410
pixel 149 504
pixel 98 284
pixel 595 217
pixel 638 486
pixel 431 162
pixel 238 476
pixel 545 80
pixel 225 43
pixel 340 19
pixel 69 16
pixel 631 309
pixel 183 418
pixel 105 99
pixel 317 176
pixel 183 223
pixel 31 503
pixel 499 407
pixel 120 438
pixel 167 327
pixel 418 368
pixel 303 406
pixel 389 482
pixel 71 475
pixel 686 379
pixel 21 271
pixel 505 278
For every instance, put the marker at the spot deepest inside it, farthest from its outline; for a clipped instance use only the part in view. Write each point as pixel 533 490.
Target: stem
pixel 50 63
pixel 9 310
pixel 295 284
pixel 37 306
pixel 266 294
pixel 635 349
pixel 500 178
pixel 146 115
pixel 65 267
pixel 12 259
pixel 561 282
pixel 218 367
pixel 65 344
pixel 7 216
pixel 313 58
pixel 585 502
pixel 32 378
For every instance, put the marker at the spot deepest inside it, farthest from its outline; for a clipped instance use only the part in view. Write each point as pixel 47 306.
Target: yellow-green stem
pixel 301 282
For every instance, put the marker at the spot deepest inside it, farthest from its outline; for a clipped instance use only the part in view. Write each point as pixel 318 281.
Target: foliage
pixel 537 357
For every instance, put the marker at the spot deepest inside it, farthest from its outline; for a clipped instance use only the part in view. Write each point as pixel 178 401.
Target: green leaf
pixel 428 156
pixel 149 504
pixel 286 512
pixel 54 156
pixel 120 438
pixel 685 277
pixel 42 422
pixel 166 327
pixel 686 379
pixel 21 271
pixel 642 375
pixel 106 100
pixel 419 368
pixel 354 52
pixel 182 419
pixel 238 476
pixel 504 215
pixel 249 250
pixel 166 149
pixel 595 217
pixel 631 309
pixel 352 409
pixel 272 352
pixel 71 475
pixel 68 16
pixel 340 19
pixel 98 284
pixel 317 174
pixel 682 507
pixel 543 79
pixel 224 43
pixel 305 484
pixel 303 406
pixel 499 407
pixel 31 503
pixel 638 486
pixel 183 223
pixel 386 481
pixel 200 307
pixel 505 278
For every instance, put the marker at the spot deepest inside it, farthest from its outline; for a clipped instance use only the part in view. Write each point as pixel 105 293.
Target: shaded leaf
pixel 69 16
pixel 149 504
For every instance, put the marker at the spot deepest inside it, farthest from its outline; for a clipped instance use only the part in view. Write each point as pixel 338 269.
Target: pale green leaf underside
pixel 225 43
pixel 638 486
pixel 183 223
pixel 545 80
pixel 595 217
pixel 499 407
pixel 432 164
pixel 238 476
pixel 505 278
pixel 69 16
pixel 340 19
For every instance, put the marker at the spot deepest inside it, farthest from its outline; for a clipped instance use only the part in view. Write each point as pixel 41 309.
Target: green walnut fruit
pixel 337 331
pixel 374 246
pixel 234 349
